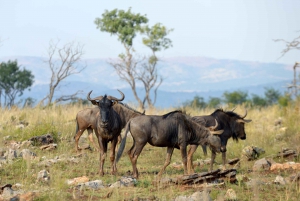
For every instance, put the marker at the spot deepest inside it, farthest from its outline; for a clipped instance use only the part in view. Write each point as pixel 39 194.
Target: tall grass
pixel 60 121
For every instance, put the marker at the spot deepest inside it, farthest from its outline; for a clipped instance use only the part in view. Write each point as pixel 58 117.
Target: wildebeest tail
pixel 123 142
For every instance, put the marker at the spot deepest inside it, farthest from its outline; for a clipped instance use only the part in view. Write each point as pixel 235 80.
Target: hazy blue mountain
pixel 184 77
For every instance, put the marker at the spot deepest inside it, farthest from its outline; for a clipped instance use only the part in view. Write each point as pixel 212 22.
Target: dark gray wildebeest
pixel 172 130
pixel 229 121
pixel 86 119
pixel 108 126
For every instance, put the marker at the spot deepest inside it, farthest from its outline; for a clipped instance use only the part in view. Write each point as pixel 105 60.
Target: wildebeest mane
pixel 229 113
pixel 130 108
pixel 170 113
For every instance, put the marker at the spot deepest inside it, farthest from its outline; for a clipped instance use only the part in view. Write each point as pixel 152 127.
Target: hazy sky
pixel 242 30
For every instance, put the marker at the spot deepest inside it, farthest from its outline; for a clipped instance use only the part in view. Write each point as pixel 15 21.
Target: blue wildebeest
pixel 108 126
pixel 172 130
pixel 86 119
pixel 233 126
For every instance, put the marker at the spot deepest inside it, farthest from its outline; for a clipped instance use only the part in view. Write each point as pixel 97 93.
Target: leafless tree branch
pixel 63 62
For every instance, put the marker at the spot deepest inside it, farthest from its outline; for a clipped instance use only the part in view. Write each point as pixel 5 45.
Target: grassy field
pixel 60 121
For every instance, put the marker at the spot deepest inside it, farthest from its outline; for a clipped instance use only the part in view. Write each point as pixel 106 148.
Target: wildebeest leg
pixel 184 158
pixel 224 160
pixel 103 151
pixel 191 151
pixel 77 136
pixel 212 161
pixel 112 155
pixel 204 148
pixel 134 153
pixel 90 135
pixel 167 162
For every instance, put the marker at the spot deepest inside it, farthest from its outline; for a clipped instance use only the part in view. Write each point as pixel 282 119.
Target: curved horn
pixel 212 128
pixel 115 99
pixel 218 132
pixel 244 114
pixel 97 98
pixel 88 96
pixel 216 125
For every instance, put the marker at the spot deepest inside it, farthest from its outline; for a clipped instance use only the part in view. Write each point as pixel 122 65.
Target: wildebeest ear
pixel 114 102
pixel 243 120
pixel 218 132
pixel 94 102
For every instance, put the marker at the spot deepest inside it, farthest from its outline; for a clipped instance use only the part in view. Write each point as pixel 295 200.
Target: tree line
pixel 271 96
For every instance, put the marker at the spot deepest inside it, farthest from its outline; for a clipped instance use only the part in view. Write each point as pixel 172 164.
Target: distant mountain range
pixel 184 78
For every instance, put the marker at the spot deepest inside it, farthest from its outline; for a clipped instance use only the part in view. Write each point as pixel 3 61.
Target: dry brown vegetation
pixel 60 120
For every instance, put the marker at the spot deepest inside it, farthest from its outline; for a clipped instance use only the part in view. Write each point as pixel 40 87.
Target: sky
pixel 222 29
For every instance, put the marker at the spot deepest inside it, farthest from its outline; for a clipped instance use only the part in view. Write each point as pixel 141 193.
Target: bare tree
pixel 289 46
pixel 127 69
pixel 63 62
pixel 148 75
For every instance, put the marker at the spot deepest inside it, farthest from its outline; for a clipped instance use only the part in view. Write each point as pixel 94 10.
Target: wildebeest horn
pixel 212 128
pixel 233 109
pixel 97 98
pixel 244 114
pixel 244 120
pixel 218 132
pixel 116 99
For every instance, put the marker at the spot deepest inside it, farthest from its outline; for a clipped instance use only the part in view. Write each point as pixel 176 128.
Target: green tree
pixel 258 101
pixel 13 81
pixel 272 96
pixel 235 97
pixel 214 102
pixel 155 39
pixel 284 100
pixel 130 67
pixel 197 102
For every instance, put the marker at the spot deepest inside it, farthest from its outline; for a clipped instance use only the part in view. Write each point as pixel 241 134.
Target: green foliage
pixel 13 81
pixel 156 37
pixel 236 97
pixel 258 101
pixel 284 100
pixel 271 95
pixel 124 24
pixel 197 102
pixel 214 102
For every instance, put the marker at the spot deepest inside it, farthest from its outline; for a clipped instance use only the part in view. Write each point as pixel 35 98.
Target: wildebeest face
pixel 105 108
pixel 239 128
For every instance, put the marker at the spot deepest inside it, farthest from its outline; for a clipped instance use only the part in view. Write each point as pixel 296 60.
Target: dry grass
pixel 59 120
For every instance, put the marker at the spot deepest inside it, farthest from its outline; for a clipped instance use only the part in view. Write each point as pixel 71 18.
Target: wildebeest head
pixel 105 104
pixel 238 125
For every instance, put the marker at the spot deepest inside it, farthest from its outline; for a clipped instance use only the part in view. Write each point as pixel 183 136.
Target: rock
pixel 279 180
pixel 43 175
pixel 77 180
pixel 97 184
pixel 26 143
pixel 285 166
pixel 125 181
pixel 27 154
pixel 42 140
pixel 48 147
pixel 261 164
pixel 252 152
pixel 10 154
pixel 29 196
pixel 230 195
